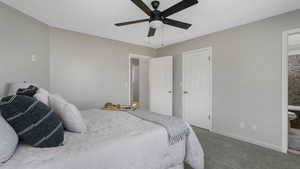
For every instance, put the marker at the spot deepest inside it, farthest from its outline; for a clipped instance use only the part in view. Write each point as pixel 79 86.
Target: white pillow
pixel 43 96
pixel 8 141
pixel 69 114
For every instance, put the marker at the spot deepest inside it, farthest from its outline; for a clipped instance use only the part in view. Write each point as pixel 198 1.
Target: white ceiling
pixel 97 17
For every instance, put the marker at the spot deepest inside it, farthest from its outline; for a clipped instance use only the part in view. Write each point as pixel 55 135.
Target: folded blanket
pixel 30 91
pixel 177 129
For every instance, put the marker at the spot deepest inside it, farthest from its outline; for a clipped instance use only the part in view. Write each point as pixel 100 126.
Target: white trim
pixel 131 55
pixel 284 89
pixel 197 50
pixel 294 52
pixel 251 140
pixel 210 82
pixel 136 56
pixel 284 93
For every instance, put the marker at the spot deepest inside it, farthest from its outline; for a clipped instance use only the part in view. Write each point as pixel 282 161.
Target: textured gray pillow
pixel 8 140
pixel 34 122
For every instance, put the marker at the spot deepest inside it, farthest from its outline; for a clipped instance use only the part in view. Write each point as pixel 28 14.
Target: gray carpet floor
pixel 226 153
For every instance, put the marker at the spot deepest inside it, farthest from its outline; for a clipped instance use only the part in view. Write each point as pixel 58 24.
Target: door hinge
pixel 209 117
pixel 209 58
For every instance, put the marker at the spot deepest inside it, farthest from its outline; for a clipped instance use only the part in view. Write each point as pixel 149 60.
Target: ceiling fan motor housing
pixel 156 18
pixel 155 4
pixel 155 15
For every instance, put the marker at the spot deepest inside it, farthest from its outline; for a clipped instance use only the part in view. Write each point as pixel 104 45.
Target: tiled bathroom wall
pixel 294 80
pixel 294 86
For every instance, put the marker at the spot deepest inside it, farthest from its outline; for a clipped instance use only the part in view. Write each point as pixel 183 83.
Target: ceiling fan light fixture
pixel 156 24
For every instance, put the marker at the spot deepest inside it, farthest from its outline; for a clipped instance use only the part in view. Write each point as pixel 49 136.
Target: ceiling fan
pixel 158 18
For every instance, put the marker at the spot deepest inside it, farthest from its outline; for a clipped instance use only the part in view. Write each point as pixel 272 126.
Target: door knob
pixel 185 92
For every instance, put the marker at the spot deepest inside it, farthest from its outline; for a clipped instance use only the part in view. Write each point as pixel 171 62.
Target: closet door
pixel 196 88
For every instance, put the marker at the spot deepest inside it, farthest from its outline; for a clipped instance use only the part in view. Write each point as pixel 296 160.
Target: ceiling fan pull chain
pixel 162 36
pixel 148 37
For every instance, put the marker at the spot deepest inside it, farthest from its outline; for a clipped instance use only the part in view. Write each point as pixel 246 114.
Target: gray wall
pixel 246 77
pixel 21 37
pixel 89 71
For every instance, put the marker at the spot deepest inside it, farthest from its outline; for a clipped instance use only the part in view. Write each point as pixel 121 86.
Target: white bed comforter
pixel 114 140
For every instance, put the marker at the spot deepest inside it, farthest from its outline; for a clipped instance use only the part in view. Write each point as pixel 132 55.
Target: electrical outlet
pixel 33 58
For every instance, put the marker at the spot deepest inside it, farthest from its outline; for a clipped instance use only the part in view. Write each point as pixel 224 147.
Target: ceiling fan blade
pixel 131 22
pixel 178 7
pixel 151 32
pixel 178 24
pixel 142 6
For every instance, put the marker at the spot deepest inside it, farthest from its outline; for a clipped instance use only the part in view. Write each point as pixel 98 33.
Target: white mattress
pixel 114 140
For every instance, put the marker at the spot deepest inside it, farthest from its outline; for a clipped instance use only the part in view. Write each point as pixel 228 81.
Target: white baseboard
pixel 251 140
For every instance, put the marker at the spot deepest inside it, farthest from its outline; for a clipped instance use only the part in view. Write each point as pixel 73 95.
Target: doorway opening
pixel 151 83
pixel 139 81
pixel 291 92
pixel 135 88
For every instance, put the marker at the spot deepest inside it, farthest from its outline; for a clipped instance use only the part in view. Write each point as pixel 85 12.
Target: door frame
pixel 284 88
pixel 209 49
pixel 133 56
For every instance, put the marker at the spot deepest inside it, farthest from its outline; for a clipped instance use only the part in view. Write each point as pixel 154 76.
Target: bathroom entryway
pixel 292 52
pixel 139 81
pixel 151 83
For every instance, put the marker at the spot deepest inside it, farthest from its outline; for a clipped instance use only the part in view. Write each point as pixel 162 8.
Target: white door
pixel 196 88
pixel 161 85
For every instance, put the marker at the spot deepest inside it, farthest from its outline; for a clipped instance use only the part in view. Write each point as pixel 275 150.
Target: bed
pixel 114 140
